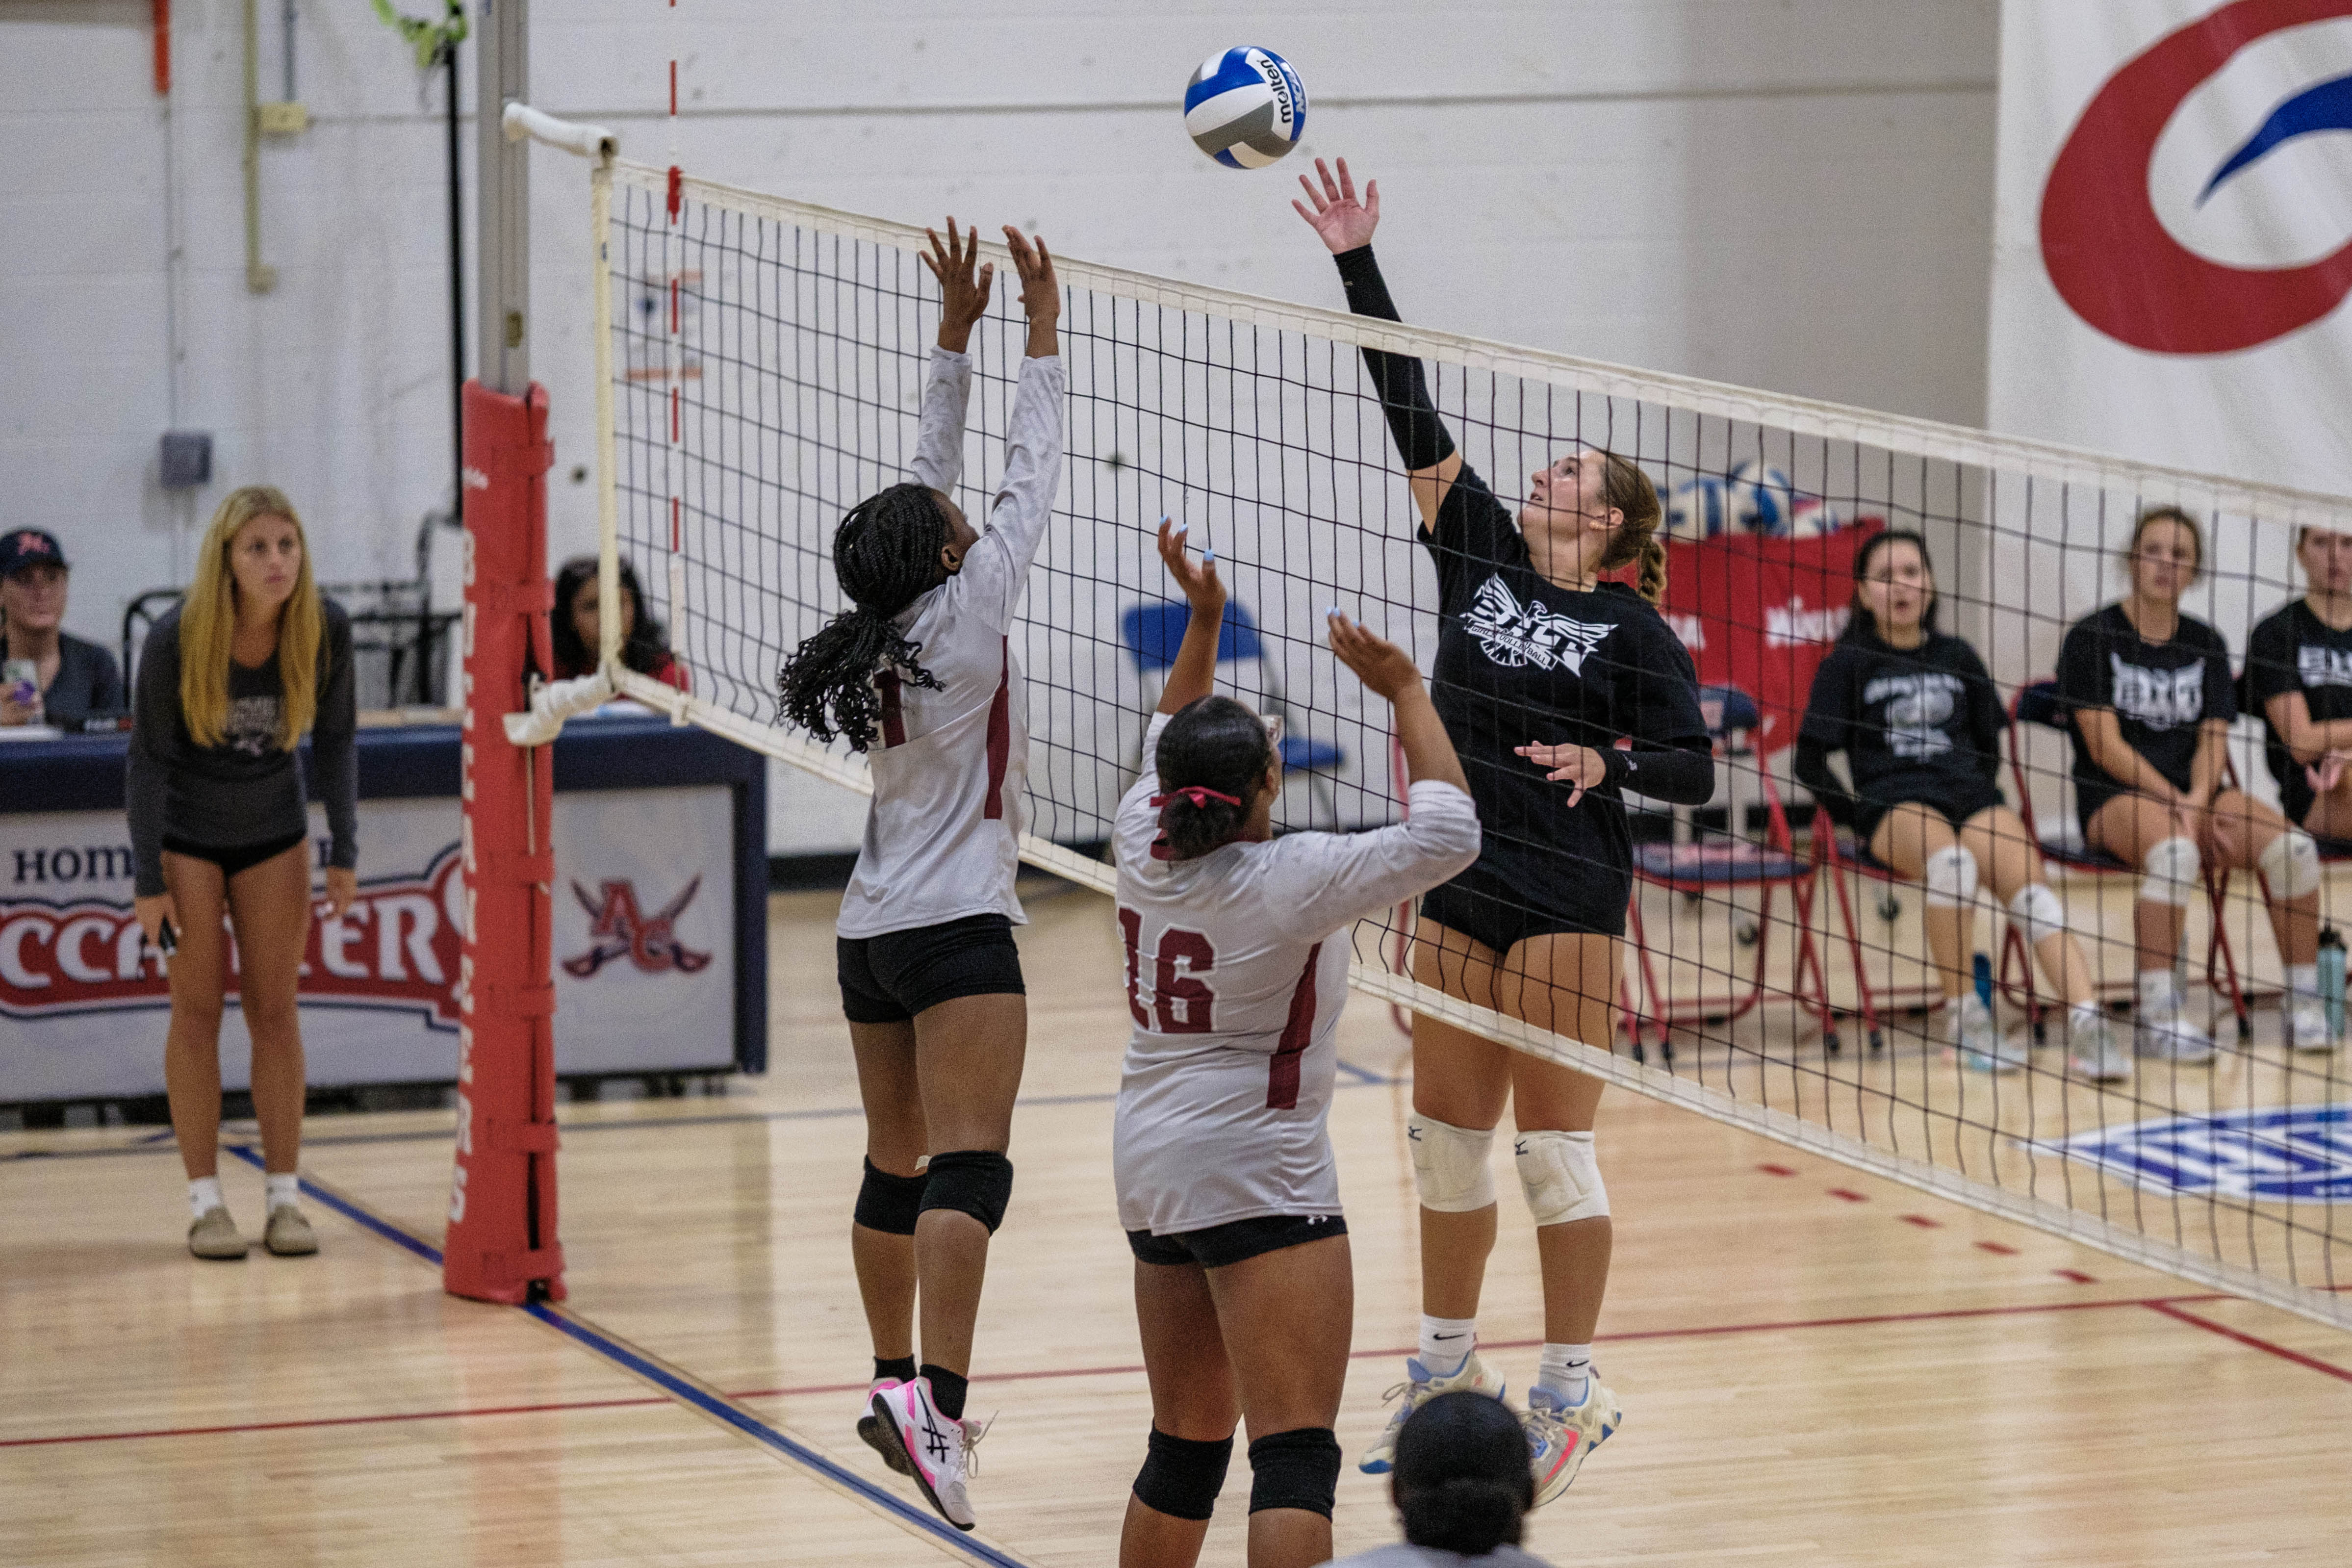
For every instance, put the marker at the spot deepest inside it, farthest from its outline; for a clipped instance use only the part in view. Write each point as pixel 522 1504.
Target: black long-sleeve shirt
pixel 246 790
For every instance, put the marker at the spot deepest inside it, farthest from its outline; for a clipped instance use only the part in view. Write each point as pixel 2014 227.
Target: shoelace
pixel 972 1436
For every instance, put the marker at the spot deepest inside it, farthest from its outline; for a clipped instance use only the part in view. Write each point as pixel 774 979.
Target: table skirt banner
pixel 645 948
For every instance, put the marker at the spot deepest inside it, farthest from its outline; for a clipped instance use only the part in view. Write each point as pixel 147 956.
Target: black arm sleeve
pixel 153 733
pixel 1813 773
pixel 1680 774
pixel 1420 436
pixel 334 757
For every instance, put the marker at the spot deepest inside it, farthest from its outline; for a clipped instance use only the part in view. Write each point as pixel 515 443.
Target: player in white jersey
pixel 1237 953
pixel 918 675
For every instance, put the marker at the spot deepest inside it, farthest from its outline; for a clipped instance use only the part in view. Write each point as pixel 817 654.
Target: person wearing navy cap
pixel 47 674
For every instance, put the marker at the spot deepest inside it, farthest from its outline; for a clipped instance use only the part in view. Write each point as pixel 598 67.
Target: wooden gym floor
pixel 1816 1366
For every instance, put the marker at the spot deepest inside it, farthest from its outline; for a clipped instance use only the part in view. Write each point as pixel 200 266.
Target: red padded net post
pixel 501 1244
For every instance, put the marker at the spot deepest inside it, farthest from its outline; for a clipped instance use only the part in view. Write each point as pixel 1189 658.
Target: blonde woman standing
pixel 228 681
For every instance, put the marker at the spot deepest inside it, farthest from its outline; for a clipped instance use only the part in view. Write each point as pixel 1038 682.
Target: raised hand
pixel 1041 292
pixel 964 283
pixel 1378 663
pixel 1197 578
pixel 1345 223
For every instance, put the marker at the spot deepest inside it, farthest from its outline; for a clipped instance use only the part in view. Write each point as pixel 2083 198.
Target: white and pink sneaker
pixel 937 1449
pixel 875 1433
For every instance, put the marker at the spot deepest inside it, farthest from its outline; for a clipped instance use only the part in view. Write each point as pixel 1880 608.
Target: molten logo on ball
pixel 1245 108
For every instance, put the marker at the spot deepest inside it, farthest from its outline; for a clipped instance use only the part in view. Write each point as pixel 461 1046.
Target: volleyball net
pixel 761 364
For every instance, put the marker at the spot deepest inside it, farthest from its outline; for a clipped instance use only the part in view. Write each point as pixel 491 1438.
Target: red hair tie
pixel 1199 794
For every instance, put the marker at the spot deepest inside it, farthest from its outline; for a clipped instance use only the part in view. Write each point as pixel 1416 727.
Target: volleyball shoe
pixel 938 1448
pixel 874 1434
pixel 1418 1389
pixel 1560 1435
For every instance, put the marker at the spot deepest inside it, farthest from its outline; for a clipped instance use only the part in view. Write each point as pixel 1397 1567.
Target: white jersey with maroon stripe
pixel 1236 970
pixel 949 763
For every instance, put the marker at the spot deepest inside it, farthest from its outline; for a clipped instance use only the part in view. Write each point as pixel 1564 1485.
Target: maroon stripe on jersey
pixel 894 718
pixel 1282 1073
pixel 1000 738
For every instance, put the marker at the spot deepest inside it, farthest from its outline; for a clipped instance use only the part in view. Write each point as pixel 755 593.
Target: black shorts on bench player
pixel 918 675
pixel 1237 954
pixel 1920 722
pixel 1542 669
pixel 2152 700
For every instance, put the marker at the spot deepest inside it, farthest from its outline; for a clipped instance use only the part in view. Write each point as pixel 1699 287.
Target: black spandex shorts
pixel 1585 898
pixel 889 979
pixel 236 857
pixel 1235 1240
pixel 1955 808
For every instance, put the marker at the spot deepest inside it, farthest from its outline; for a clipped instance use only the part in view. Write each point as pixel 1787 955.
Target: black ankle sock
pixel 946 1389
pixel 901 1367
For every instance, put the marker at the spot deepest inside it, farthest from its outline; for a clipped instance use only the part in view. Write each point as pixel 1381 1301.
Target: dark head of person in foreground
pixel 573 628
pixel 1462 1484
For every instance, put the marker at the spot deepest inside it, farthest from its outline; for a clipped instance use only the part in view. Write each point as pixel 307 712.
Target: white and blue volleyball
pixel 1812 517
pixel 1761 498
pixel 1245 108
pixel 1698 507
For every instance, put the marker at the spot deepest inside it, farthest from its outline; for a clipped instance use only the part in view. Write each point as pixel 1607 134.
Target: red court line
pixel 322 1421
pixel 2227 1332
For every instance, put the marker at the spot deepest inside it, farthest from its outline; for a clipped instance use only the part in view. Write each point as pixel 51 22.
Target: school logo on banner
pixel 2108 249
pixel 2293 1154
pixel 617 930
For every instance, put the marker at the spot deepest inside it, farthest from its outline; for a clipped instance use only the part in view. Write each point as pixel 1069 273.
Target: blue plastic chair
pixel 1153 632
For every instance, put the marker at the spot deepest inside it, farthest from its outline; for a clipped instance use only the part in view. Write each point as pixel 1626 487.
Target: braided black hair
pixel 1217 744
pixel 887 554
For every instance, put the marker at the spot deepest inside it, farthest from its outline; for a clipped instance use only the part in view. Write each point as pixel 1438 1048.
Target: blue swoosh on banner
pixel 2327 107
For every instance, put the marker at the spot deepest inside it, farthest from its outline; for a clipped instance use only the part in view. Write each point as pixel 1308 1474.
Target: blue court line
pixel 753 1426
pixel 674 1385
pixel 159 1143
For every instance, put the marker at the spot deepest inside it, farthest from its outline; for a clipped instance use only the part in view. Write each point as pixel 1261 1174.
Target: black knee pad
pixel 1295 1469
pixel 1182 1477
pixel 977 1182
pixel 890 1203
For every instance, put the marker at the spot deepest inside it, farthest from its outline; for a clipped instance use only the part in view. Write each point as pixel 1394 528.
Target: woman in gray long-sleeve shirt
pixel 228 681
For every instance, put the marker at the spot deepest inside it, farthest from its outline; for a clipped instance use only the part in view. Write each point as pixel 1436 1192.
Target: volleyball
pixel 1812 517
pixel 1700 508
pixel 1760 499
pixel 1245 108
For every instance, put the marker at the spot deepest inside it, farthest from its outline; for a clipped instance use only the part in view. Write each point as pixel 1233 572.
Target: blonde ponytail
pixel 1652 583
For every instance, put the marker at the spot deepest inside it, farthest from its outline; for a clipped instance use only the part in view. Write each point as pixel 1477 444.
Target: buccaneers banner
pixel 2173 234
pixel 644 947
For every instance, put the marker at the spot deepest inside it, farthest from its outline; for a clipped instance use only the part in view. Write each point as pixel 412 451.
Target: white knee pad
pixel 1561 1177
pixel 1951 878
pixel 1449 1164
pixel 2171 868
pixel 2291 864
pixel 2037 912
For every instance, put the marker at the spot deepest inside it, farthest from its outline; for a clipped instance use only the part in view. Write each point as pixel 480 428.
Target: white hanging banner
pixel 2173 236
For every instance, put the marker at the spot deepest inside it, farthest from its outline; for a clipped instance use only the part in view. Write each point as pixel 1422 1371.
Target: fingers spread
pixel 1347 184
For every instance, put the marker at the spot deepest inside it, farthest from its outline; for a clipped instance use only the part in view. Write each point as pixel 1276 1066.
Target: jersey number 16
pixel 1182 1003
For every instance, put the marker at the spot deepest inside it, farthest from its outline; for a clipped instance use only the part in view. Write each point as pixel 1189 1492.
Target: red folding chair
pixel 2038 702
pixel 1842 858
pixel 1721 866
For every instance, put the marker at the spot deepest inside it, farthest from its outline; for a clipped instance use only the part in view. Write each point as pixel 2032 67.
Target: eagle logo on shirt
pixel 1515 635
pixel 1918 707
pixel 2159 699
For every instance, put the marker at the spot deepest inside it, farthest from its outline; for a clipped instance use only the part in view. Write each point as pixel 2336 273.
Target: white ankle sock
pixel 278 1189
pixel 1446 1343
pixel 2159 996
pixel 204 1196
pixel 2303 981
pixel 2084 1014
pixel 1567 1370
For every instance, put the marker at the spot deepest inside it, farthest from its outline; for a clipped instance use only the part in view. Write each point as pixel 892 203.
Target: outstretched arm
pixel 996 570
pixel 964 282
pixel 1346 226
pixel 1194 674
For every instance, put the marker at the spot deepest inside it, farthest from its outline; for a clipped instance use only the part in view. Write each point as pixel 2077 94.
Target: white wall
pixel 1795 193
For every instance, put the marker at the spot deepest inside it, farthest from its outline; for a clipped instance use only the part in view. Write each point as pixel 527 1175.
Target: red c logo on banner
pixel 2111 257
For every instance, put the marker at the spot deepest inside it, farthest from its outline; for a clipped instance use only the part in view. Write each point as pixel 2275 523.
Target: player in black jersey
pixel 2299 679
pixel 1920 723
pixel 1542 669
pixel 2152 699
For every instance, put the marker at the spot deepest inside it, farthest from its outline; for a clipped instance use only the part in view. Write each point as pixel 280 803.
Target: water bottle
pixel 2331 980
pixel 1984 979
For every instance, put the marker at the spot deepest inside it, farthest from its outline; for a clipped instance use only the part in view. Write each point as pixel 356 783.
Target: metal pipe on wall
pixel 259 279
